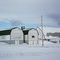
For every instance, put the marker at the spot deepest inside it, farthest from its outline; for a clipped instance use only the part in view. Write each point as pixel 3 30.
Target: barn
pixel 18 36
pixel 31 36
pixel 12 36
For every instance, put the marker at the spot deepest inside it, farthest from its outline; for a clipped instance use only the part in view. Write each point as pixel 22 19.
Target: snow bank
pixel 24 52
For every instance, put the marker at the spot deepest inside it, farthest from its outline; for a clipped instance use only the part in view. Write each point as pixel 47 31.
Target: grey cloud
pixel 56 18
pixel 47 8
pixel 15 22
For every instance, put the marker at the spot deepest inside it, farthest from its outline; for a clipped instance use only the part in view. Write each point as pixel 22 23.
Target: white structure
pixel 33 37
pixel 12 36
pixel 17 35
pixel 30 36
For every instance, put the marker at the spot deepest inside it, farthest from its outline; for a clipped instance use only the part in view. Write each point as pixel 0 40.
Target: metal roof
pixel 25 32
pixel 6 32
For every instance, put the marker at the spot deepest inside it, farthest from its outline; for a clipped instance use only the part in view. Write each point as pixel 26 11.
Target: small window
pixel 33 36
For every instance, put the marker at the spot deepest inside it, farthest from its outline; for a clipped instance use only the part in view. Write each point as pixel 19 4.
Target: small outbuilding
pixel 31 36
pixel 12 36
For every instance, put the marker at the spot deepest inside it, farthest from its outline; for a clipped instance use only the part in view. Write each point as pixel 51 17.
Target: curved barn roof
pixel 25 31
pixel 6 32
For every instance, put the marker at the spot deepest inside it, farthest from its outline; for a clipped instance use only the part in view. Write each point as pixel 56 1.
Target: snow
pixel 50 51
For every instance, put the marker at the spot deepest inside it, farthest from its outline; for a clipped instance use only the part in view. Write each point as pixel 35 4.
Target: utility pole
pixel 42 30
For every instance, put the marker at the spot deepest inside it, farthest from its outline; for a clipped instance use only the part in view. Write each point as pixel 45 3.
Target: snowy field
pixel 50 51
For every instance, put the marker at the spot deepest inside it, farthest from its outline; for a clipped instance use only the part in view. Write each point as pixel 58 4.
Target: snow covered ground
pixel 50 51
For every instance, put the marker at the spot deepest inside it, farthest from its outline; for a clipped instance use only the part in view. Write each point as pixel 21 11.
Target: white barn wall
pixel 17 35
pixel 33 40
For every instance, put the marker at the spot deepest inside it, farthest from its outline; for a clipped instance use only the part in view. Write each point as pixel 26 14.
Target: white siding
pixel 17 35
pixel 33 37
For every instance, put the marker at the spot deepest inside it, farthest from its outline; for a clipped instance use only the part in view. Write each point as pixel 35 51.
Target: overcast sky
pixel 28 12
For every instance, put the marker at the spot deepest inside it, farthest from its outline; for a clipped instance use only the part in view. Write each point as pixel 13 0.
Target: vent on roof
pixel 23 27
